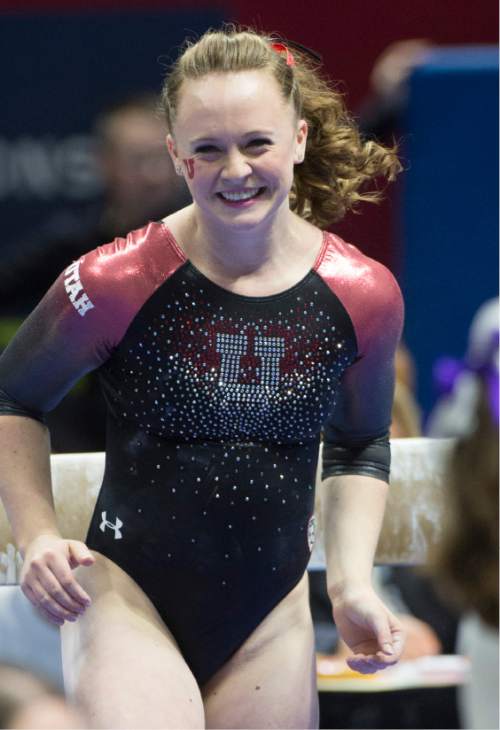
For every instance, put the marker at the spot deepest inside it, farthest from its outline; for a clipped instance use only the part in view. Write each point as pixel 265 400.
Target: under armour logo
pixel 105 523
pixel 232 347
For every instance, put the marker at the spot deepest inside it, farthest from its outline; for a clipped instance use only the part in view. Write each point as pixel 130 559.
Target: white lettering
pixel 83 305
pixel 46 168
pixel 72 268
pixel 73 289
pixel 74 286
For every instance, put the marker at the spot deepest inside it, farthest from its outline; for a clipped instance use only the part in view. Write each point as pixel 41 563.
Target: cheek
pixel 280 171
pixel 281 164
pixel 188 163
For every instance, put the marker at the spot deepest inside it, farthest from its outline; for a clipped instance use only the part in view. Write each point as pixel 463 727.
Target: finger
pixel 387 629
pixel 46 614
pixel 50 617
pixel 398 640
pixel 46 602
pixel 58 591
pixel 383 658
pixel 80 554
pixel 41 599
pixel 383 634
pixel 45 576
pixel 383 661
pixel 69 583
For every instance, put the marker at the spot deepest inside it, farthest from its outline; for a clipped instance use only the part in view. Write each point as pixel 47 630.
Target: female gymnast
pixel 228 337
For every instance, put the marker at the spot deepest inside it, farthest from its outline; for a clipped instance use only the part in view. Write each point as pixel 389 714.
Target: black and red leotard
pixel 216 403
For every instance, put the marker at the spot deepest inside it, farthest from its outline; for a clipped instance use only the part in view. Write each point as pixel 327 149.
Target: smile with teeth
pixel 241 195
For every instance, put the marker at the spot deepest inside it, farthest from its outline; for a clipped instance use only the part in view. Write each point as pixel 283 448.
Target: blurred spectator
pixel 26 701
pixel 140 184
pixel 466 562
pixel 381 112
pixel 405 413
pixel 406 416
pixel 405 368
pixel 139 178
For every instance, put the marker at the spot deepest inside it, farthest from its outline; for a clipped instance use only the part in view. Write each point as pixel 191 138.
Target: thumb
pixel 383 634
pixel 79 554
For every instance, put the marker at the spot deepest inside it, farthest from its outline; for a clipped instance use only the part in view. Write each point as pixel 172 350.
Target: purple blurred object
pixel 492 383
pixel 446 371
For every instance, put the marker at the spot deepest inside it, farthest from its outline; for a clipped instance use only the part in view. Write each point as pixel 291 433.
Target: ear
pixel 173 153
pixel 300 142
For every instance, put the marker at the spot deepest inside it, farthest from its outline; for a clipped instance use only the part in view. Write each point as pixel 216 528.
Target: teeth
pixel 241 196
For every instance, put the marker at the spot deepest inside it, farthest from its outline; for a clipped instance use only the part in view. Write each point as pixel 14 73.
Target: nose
pixel 236 166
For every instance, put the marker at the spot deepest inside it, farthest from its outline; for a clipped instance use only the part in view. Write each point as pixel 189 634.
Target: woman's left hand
pixel 370 630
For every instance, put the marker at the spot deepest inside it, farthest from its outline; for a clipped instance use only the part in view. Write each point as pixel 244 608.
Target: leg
pixel 271 680
pixel 121 665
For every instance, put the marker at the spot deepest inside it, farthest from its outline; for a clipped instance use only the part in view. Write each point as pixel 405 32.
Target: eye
pixel 259 142
pixel 205 149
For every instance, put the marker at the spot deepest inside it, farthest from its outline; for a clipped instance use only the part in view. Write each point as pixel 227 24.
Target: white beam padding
pixel 412 523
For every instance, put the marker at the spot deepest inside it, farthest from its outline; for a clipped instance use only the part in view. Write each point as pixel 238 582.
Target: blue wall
pixel 450 202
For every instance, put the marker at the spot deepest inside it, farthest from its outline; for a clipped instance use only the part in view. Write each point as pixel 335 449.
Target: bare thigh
pixel 121 664
pixel 271 680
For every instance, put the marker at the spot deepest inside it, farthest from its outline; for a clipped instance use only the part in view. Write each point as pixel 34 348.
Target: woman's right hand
pixel 47 579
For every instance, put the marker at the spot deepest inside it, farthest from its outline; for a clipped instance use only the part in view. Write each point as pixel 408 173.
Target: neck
pixel 236 251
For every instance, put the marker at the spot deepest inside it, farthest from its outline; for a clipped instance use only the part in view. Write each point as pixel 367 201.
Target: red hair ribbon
pixel 279 48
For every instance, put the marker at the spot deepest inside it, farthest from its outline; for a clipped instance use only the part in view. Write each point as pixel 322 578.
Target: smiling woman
pixel 338 164
pixel 228 337
pixel 241 140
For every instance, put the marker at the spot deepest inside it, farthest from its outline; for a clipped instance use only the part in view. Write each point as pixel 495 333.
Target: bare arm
pixel 353 509
pixel 26 492
pixel 25 481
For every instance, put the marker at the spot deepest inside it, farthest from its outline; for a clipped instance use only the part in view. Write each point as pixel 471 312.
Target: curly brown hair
pixel 466 561
pixel 338 162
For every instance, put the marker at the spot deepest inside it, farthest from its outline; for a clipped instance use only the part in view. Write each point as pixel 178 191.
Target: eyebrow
pixel 255 132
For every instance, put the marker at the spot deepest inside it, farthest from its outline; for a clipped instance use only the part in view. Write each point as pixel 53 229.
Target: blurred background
pixel 82 160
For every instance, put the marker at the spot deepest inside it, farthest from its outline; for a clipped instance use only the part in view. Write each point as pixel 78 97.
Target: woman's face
pixel 236 141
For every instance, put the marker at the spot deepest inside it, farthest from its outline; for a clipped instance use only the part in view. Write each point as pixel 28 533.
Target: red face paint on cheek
pixel 189 165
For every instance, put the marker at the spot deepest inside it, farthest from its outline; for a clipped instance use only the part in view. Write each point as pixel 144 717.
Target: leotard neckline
pixel 245 297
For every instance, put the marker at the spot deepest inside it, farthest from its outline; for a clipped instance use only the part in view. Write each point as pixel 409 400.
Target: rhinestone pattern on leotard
pixel 202 363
